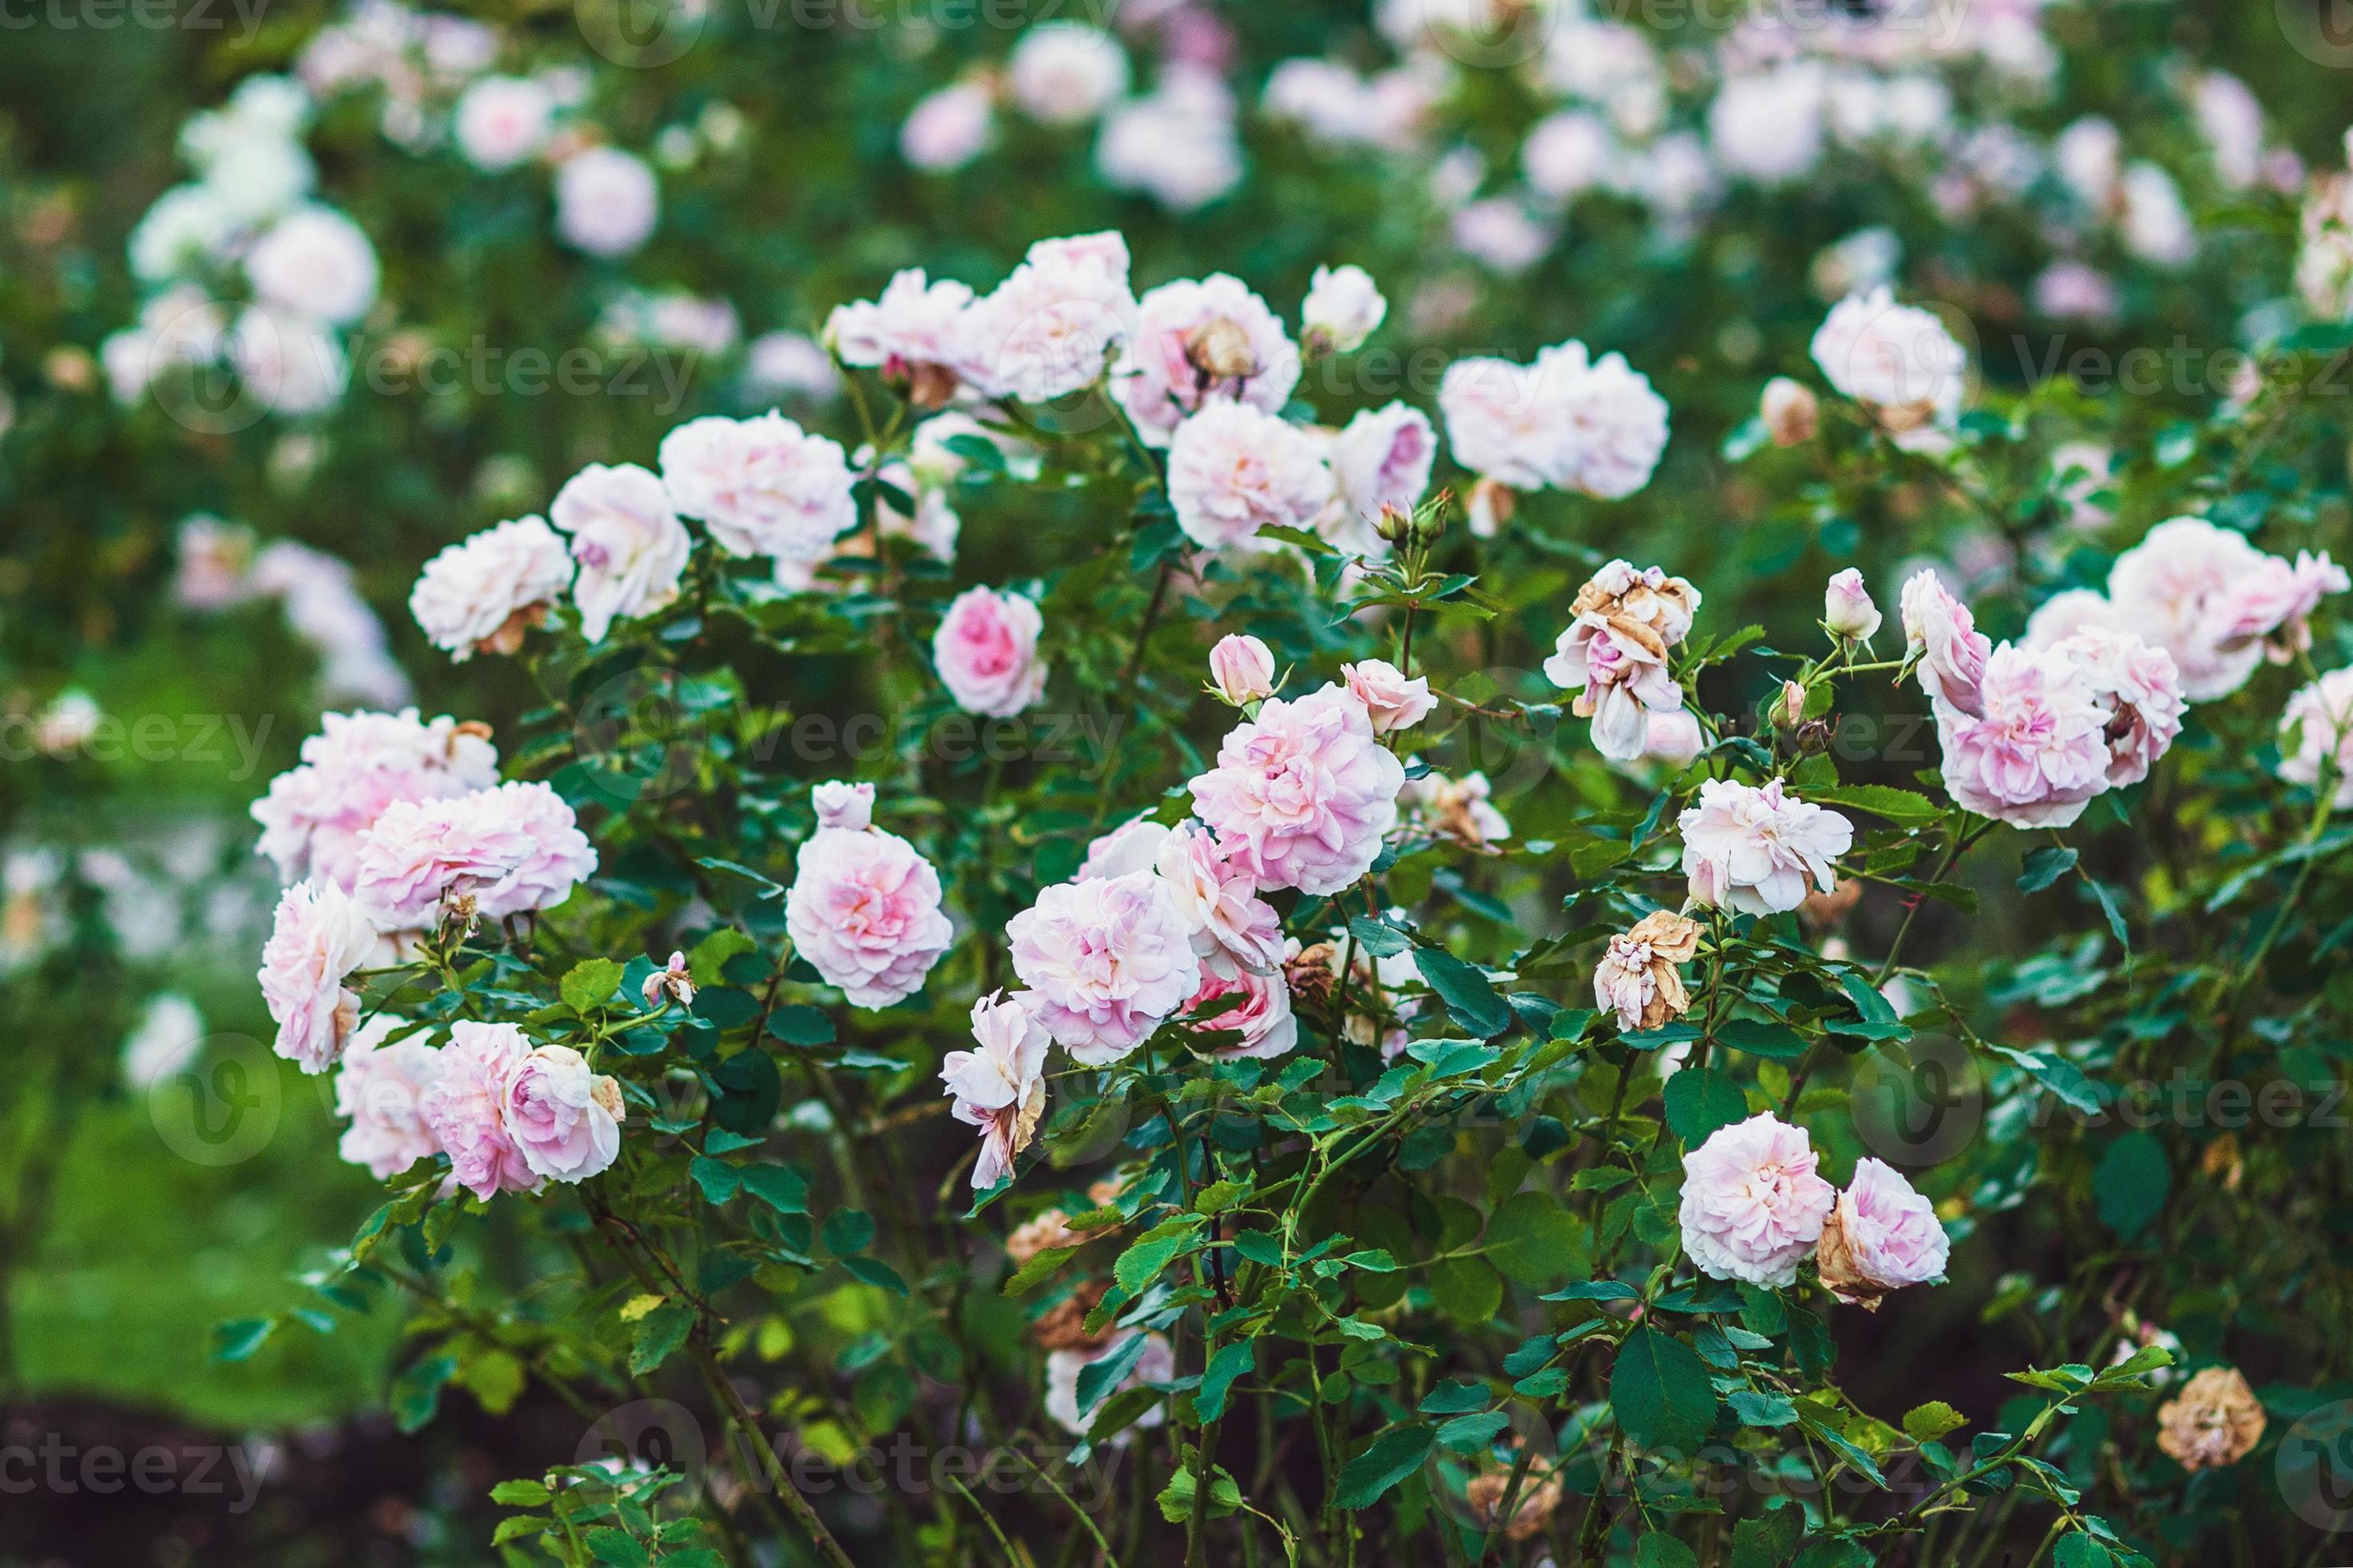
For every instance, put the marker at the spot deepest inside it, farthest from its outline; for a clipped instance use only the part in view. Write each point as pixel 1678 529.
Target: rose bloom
pixel 315 262
pixel 1233 471
pixel 631 547
pixel 1108 959
pixel 378 1089
pixel 949 127
pixel 910 332
pixel 2270 603
pixel 563 1119
pixel 2064 613
pixel 864 907
pixel 1942 637
pixel 2138 691
pixel 1064 73
pixel 1847 608
pixel 1880 1236
pixel 1050 329
pixel 358 765
pixel 1897 360
pixel 1133 846
pixel 1613 654
pixel 1767 125
pixel 2316 736
pixel 464 1107
pixel 1393 701
pixel 1233 927
pixel 2038 752
pixel 762 486
pixel 790 365
pixel 1343 307
pixel 1241 669
pixel 2215 1420
pixel 1000 1088
pixel 491 854
pixel 1564 422
pixel 1301 795
pixel 1263 1018
pixel 320 935
pixel 1177 145
pixel 607 201
pixel 1752 1206
pixel 1789 411
pixel 1755 851
pixel 986 652
pixel 482 594
pixel 1196 342
pixel 504 119
pixel 1380 461
pixel 1638 976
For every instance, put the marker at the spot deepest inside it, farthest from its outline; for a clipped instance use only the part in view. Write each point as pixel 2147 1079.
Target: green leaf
pixel 520 1494
pixel 2045 865
pixel 1700 1101
pixel 1901 806
pixel 1175 1499
pixel 1657 1551
pixel 1756 1408
pixel 1098 1378
pixel 1141 1264
pixel 875 1272
pixel 1926 1423
pixel 1534 1240
pixel 2131 1182
pixel 847 1231
pixel 1660 1390
pixel 1466 1289
pixel 1037 1270
pixel 1386 1460
pixel 780 1187
pixel 236 1340
pixel 2078 1550
pixel 1762 1038
pixel 1217 1378
pixel 1455 1397
pixel 1767 1541
pixel 659 1332
pixel 591 985
pixel 618 1548
pixel 1470 1000
pixel 719 1179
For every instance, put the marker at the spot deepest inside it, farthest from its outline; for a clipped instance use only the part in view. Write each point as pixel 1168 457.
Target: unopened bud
pixel 1789 411
pixel 1242 668
pixel 1790 710
pixel 1847 608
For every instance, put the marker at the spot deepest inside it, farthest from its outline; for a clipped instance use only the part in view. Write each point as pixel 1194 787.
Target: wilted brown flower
pixel 1063 1326
pixel 1789 411
pixel 1047 1231
pixel 1220 349
pixel 1532 1510
pixel 1823 910
pixel 1309 975
pixel 1638 975
pixel 2213 1421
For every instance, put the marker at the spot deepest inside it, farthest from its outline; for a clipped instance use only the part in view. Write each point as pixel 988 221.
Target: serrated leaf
pixel 1926 1423
pixel 1386 1460
pixel 591 985
pixel 1658 1388
pixel 1701 1100
pixel 659 1332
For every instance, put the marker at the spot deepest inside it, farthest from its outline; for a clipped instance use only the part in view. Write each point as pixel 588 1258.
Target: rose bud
pixel 1788 411
pixel 1847 608
pixel 1242 668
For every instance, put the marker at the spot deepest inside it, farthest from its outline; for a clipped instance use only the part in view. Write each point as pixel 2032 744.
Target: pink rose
pixel 1393 701
pixel 1000 1088
pixel 482 594
pixel 1752 1206
pixel 864 907
pixel 630 546
pixel 762 486
pixel 1234 470
pixel 2316 736
pixel 1263 1016
pixel 1242 668
pixel 1847 608
pixel 1109 960
pixel 1380 460
pixel 1130 846
pixel 2037 750
pixel 1301 795
pixel 494 853
pixel 464 1108
pixel 1198 341
pixel 1613 654
pixel 1050 329
pixel 1942 637
pixel 357 766
pixel 563 1119
pixel 2138 692
pixel 1760 851
pixel 909 333
pixel 986 651
pixel 1233 927
pixel 380 1088
pixel 1880 1236
pixel 320 935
